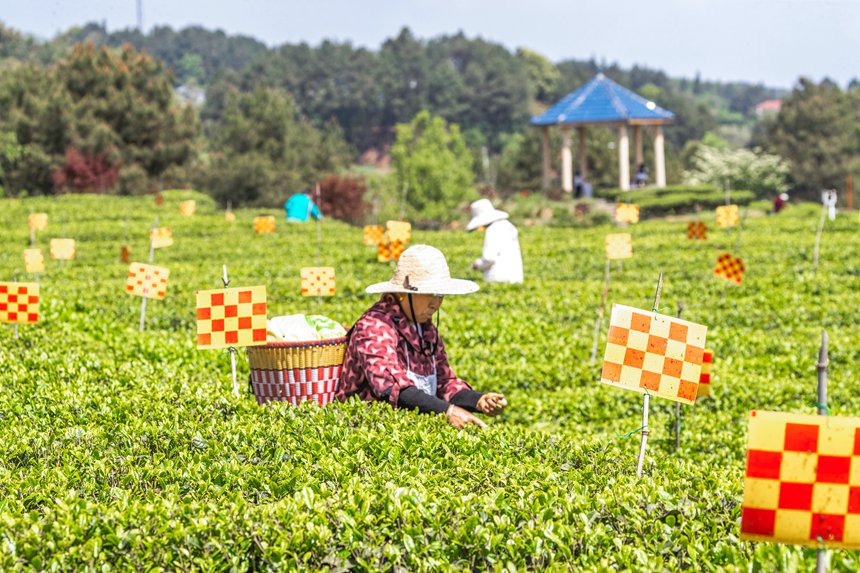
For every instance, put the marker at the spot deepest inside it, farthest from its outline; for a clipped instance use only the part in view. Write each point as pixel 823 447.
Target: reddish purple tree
pixel 86 173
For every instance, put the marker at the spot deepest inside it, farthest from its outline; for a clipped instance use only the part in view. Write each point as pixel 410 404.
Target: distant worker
pixel 779 202
pixel 501 260
pixel 641 175
pixel 578 182
pixel 829 198
pixel 300 207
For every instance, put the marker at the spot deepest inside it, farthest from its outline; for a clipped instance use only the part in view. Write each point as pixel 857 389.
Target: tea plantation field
pixel 126 450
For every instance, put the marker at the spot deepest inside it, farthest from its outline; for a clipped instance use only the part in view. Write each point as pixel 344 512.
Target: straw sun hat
pixel 483 213
pixel 422 269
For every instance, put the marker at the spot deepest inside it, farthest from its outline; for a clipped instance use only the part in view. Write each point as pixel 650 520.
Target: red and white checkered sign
pixel 705 377
pixel 147 281
pixel 618 246
pixel 650 352
pixel 19 302
pixel 627 213
pixel 697 231
pixel 160 237
pixel 296 386
pixel 730 268
pixel 802 483
pixel 317 281
pixel 231 317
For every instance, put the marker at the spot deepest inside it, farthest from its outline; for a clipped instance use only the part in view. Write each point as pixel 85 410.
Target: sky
pixel 759 41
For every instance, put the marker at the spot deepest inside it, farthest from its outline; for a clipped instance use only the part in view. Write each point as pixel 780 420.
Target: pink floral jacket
pixel 374 366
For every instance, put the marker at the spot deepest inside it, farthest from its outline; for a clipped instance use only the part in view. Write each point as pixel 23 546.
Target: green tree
pixel 434 165
pixel 762 173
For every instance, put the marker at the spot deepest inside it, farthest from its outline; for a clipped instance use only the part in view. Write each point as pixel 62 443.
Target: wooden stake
pixel 599 320
pixel 646 398
pixel 821 557
pixel 232 350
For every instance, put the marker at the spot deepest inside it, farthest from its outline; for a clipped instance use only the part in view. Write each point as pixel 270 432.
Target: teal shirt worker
pixel 299 207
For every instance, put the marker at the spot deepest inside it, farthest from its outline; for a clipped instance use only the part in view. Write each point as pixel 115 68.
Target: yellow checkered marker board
pixel 697 231
pixel 37 221
pixel 34 261
pixel 125 254
pixel 619 246
pixel 160 237
pixel 317 281
pixel 727 216
pixel 264 224
pixel 398 231
pixel 63 249
pixel 705 376
pixel 730 268
pixel 372 235
pixel 188 208
pixel 802 481
pixel 626 213
pixel 653 353
pixel 19 302
pixel 231 317
pixel 147 281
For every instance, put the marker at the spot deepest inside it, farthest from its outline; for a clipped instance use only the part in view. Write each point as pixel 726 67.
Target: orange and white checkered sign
pixel 626 213
pixel 372 235
pixel 802 482
pixel 63 249
pixel 398 231
pixel 727 216
pixel 147 281
pixel 730 268
pixel 264 224
pixel 705 376
pixel 697 231
pixel 231 317
pixel 19 302
pixel 229 216
pixel 159 199
pixel 383 252
pixel 34 261
pixel 618 246
pixel 37 221
pixel 317 281
pixel 125 254
pixel 160 237
pixel 188 208
pixel 650 352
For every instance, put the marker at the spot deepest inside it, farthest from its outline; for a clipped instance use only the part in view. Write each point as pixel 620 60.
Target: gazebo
pixel 603 102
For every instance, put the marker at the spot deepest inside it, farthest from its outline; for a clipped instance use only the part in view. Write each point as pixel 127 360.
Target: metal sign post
pixel 232 349
pixel 646 397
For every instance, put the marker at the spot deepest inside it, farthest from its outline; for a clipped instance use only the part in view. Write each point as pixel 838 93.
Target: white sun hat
pixel 422 269
pixel 483 213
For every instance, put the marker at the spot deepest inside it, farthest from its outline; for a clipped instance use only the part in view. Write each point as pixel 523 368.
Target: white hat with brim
pixel 422 269
pixel 483 213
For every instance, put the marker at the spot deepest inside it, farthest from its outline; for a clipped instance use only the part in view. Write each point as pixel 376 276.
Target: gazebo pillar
pixel 623 158
pixel 659 160
pixel 583 164
pixel 547 157
pixel 566 161
pixel 637 146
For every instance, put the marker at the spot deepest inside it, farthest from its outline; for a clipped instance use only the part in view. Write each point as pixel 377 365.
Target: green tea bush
pixel 126 450
pixel 675 199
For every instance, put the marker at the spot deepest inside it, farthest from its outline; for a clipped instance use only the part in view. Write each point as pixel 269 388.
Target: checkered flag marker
pixel 651 353
pixel 317 281
pixel 727 216
pixel 63 249
pixel 730 268
pixel 34 261
pixel 705 377
pixel 618 246
pixel 802 482
pixel 188 208
pixel 264 224
pixel 147 281
pixel 160 237
pixel 231 317
pixel 398 231
pixel 627 213
pixel 37 221
pixel 372 235
pixel 19 302
pixel 697 231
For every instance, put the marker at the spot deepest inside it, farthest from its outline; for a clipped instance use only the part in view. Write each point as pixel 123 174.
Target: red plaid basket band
pixel 295 385
pixel 320 399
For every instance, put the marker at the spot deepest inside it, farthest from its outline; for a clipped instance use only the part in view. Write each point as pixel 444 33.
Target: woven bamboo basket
pixel 296 371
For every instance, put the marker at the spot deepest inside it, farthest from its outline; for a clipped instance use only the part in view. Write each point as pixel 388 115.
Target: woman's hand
pixel 492 404
pixel 458 417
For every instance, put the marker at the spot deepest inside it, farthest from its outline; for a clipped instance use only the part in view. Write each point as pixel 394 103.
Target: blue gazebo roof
pixel 602 100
